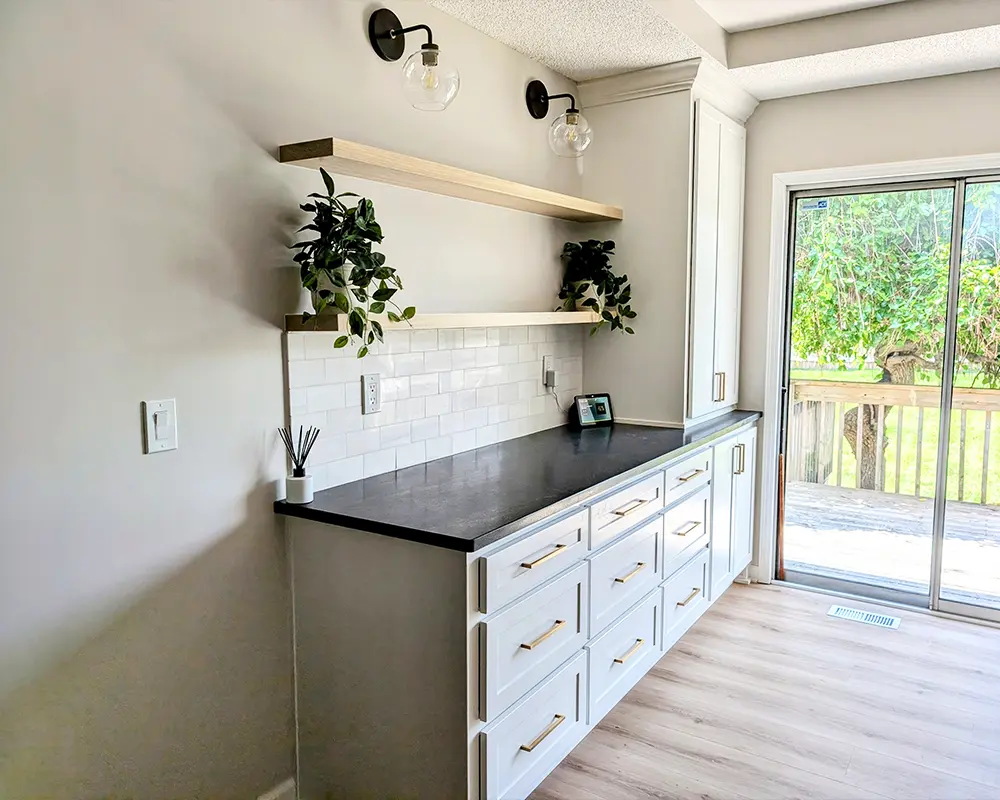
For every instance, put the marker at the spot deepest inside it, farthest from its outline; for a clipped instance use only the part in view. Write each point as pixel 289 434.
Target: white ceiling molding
pixel 703 78
pixel 858 29
pixel 744 15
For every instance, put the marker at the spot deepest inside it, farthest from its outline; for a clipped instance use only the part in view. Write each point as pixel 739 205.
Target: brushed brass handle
pixel 722 394
pixel 690 476
pixel 544 636
pixel 688 528
pixel 632 651
pixel 688 599
pixel 638 568
pixel 559 720
pixel 628 508
pixel 539 561
pixel 741 458
pixel 719 394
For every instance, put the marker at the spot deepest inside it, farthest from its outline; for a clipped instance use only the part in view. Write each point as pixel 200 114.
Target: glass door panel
pixel 970 562
pixel 868 312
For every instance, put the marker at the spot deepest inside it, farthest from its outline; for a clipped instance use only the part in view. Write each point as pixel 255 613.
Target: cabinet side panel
pixel 380 665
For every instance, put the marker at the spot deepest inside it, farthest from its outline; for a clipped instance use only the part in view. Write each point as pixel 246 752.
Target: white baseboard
pixel 283 791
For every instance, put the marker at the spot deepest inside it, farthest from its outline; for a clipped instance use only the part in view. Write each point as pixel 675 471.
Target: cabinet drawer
pixel 684 598
pixel 621 655
pixel 686 530
pixel 626 507
pixel 527 640
pixel 527 743
pixel 525 565
pixel 622 573
pixel 687 475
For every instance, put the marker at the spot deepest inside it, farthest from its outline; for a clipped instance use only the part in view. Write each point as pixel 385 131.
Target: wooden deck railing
pixel 906 433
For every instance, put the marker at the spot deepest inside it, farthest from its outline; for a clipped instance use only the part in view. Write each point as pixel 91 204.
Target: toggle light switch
pixel 159 426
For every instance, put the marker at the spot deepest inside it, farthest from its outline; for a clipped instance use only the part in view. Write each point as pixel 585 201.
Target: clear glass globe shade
pixel 430 81
pixel 570 135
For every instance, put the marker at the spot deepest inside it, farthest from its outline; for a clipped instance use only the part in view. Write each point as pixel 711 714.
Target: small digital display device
pixel 592 410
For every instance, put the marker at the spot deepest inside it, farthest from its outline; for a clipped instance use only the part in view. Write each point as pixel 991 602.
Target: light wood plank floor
pixel 767 697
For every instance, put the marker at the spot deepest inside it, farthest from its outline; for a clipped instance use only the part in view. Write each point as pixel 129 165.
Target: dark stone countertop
pixel 467 501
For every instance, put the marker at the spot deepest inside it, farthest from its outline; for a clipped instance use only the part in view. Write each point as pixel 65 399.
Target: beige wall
pixel 144 617
pixel 931 118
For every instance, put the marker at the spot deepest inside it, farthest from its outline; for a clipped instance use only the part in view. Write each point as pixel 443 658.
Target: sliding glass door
pixel 891 430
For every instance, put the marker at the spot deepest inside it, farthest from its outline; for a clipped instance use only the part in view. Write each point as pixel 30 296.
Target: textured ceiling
pixel 945 54
pixel 742 15
pixel 580 39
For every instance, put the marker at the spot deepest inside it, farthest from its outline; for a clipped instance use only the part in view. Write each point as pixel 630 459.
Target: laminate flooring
pixel 767 697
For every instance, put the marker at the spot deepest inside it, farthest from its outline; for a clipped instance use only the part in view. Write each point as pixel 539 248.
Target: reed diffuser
pixel 299 486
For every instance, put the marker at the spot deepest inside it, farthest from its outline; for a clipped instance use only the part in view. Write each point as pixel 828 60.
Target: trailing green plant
pixel 590 283
pixel 343 271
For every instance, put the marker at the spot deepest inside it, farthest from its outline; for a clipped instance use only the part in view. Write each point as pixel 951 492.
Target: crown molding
pixel 695 75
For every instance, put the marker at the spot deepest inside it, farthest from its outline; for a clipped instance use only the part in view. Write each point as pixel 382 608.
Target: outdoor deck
pixel 885 539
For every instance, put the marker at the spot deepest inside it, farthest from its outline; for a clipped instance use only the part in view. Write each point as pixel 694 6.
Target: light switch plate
pixel 159 426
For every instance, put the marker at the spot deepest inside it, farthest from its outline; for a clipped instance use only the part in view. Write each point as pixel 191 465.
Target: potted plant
pixel 342 271
pixel 589 284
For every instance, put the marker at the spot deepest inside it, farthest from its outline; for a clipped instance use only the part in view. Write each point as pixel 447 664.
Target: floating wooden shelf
pixel 337 322
pixel 362 161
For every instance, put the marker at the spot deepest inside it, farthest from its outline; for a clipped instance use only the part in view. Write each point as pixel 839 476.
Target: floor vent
pixel 867 617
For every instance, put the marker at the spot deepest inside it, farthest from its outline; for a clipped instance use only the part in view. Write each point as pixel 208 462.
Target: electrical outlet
pixel 548 364
pixel 371 393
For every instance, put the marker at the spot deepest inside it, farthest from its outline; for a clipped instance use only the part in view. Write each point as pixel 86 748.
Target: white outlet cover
pixel 371 393
pixel 548 363
pixel 159 426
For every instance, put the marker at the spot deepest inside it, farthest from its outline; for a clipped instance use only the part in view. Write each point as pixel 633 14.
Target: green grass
pixel 907 431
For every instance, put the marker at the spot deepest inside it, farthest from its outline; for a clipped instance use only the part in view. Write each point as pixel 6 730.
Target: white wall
pixel 931 118
pixel 144 632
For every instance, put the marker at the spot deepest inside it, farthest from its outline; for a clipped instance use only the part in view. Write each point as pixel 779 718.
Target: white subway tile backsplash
pixel 380 462
pixel 411 454
pixel 475 337
pixel 423 340
pixel 305 373
pixel 443 392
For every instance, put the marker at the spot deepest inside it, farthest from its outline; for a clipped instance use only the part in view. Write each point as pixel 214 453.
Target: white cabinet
pixel 732 509
pixel 717 244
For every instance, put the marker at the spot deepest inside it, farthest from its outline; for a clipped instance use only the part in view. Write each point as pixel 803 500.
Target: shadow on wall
pixel 177 679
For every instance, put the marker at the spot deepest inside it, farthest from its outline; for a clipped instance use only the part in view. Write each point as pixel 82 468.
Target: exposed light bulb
pixel 429 81
pixel 570 134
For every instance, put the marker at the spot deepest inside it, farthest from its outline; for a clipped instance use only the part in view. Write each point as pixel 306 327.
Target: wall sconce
pixel 430 82
pixel 570 133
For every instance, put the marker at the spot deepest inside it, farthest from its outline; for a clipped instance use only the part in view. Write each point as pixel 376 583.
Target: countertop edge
pixel 488 538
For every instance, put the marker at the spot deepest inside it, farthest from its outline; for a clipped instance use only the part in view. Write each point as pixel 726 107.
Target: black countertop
pixel 473 499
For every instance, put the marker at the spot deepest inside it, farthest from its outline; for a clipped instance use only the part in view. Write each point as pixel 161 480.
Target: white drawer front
pixel 620 511
pixel 527 743
pixel 686 528
pixel 687 475
pixel 527 640
pixel 621 655
pixel 685 596
pixel 622 573
pixel 527 564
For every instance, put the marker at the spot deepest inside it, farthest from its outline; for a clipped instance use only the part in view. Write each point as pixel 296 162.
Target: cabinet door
pixel 704 262
pixel 723 485
pixel 732 155
pixel 743 500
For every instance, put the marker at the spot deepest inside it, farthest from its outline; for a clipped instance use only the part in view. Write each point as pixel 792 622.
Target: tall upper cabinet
pixel 672 147
pixel 716 261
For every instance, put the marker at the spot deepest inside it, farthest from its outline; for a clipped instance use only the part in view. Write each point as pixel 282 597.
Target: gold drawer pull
pixel 544 636
pixel 638 568
pixel 559 720
pixel 694 593
pixel 628 508
pixel 690 476
pixel 546 557
pixel 688 528
pixel 632 651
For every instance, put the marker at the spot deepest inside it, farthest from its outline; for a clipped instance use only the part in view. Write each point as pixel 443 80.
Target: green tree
pixel 871 283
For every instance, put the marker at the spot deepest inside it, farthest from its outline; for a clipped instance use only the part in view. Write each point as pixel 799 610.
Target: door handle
pixel 684 530
pixel 559 719
pixel 628 508
pixel 639 567
pixel 718 394
pixel 741 459
pixel 632 651
pixel 539 561
pixel 544 636
pixel 688 599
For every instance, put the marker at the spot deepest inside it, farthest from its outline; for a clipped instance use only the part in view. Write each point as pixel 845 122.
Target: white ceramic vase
pixel 299 490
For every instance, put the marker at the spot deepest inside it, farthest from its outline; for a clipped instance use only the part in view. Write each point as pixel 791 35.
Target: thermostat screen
pixel 594 410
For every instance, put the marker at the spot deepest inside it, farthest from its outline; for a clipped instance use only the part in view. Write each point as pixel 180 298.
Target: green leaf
pixel 363 352
pixel 341 342
pixel 393 316
pixel 330 187
pixel 377 327
pixel 629 330
pixel 384 294
pixel 376 308
pixel 409 312
pixel 342 302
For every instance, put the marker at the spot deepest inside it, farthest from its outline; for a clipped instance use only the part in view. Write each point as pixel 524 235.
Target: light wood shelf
pixel 338 322
pixel 372 163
